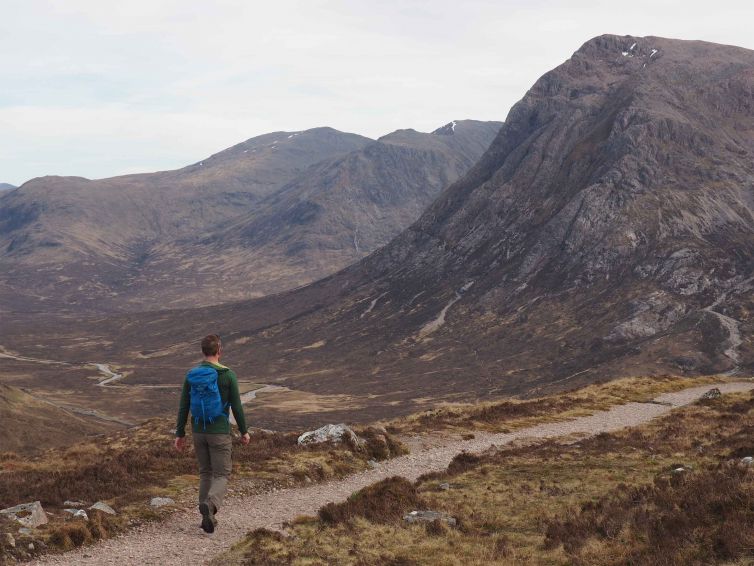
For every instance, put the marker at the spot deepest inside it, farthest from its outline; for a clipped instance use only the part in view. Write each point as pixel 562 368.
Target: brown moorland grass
pixel 510 414
pixel 691 518
pixel 127 468
pixel 613 499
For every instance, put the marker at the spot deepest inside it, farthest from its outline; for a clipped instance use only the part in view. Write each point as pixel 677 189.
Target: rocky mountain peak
pixel 446 130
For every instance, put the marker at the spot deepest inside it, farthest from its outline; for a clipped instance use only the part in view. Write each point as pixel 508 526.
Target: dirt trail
pixel 179 541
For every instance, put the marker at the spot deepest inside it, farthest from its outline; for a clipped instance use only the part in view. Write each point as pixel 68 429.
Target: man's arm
pixel 183 411
pixel 235 403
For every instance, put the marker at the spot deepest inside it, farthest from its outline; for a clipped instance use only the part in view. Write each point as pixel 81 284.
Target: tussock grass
pixel 127 468
pixel 611 499
pixel 383 502
pixel 699 518
pixel 510 414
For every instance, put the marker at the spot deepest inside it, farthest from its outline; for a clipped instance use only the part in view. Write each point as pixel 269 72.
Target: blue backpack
pixel 206 403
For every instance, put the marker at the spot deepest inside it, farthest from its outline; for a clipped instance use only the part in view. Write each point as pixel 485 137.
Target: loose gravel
pixel 178 540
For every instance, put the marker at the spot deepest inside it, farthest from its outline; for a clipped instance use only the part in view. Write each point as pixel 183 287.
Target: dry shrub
pixel 117 473
pixel 383 502
pixel 706 518
pixel 6 550
pixel 463 462
pixel 76 532
pixel 265 446
pixel 266 547
pixel 380 444
pixel 437 528
pixel 502 548
pixel 513 410
pixel 70 535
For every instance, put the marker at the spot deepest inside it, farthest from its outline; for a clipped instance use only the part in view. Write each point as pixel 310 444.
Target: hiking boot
pixel 208 517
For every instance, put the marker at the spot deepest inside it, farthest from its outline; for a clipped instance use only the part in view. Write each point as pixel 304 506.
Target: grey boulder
pixel 429 517
pixel 104 507
pixel 333 433
pixel 161 502
pixel 77 513
pixel 30 515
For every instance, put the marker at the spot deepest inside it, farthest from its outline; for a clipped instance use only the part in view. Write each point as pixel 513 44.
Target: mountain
pixel 73 240
pixel 334 214
pixel 608 230
pixel 6 187
pixel 274 212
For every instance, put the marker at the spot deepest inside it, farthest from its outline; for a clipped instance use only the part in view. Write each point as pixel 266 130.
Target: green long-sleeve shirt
pixel 227 383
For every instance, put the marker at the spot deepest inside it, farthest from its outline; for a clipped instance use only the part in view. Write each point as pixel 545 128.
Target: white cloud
pixel 100 88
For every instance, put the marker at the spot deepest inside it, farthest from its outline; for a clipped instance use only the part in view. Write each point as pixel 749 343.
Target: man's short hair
pixel 211 345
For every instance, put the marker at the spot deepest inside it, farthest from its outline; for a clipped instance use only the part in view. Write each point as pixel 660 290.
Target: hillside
pixel 654 457
pixel 6 186
pixel 336 213
pixel 162 239
pixel 607 231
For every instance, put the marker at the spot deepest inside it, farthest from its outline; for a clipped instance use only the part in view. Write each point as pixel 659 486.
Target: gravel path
pixel 179 541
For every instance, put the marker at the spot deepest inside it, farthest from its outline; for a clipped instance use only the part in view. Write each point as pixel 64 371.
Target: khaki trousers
pixel 213 452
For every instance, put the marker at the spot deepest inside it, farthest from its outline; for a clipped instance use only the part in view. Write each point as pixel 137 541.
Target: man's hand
pixel 180 442
pixel 245 438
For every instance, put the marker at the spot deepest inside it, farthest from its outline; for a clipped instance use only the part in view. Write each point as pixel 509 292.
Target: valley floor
pixel 178 540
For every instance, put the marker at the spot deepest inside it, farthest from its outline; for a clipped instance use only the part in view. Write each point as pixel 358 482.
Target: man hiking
pixel 209 391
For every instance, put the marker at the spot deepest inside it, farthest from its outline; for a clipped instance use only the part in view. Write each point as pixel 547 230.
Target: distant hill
pixel 81 239
pixel 275 212
pixel 6 187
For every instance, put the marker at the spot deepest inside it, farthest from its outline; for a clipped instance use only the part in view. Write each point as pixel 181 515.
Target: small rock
pixel 77 513
pixel 69 503
pixel 30 515
pixel 161 502
pixel 445 486
pixel 429 517
pixel 373 464
pixel 678 470
pixel 713 393
pixel 9 540
pixel 24 531
pixel 747 460
pixel 31 546
pixel 104 507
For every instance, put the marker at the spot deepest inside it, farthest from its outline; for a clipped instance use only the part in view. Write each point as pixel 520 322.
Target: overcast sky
pixel 99 88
